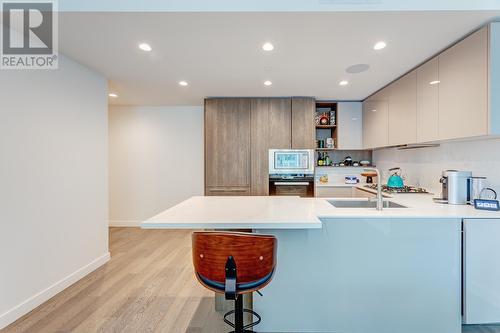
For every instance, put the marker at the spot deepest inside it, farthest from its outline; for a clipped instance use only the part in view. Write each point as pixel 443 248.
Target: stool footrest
pixel 252 324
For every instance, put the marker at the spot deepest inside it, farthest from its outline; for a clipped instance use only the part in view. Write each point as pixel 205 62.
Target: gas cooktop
pixel 404 189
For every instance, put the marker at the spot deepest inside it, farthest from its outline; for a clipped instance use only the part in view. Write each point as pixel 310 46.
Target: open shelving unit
pixel 337 155
pixel 330 130
pixel 323 131
pixel 343 167
pixel 327 130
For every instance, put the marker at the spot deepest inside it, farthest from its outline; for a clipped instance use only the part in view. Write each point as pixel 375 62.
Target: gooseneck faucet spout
pixel 380 202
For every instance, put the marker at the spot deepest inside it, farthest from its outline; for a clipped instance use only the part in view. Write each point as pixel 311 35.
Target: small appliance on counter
pixel 478 184
pixel 461 188
pixel 455 187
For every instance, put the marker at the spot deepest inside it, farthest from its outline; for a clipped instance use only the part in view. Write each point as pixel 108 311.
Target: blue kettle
pixel 395 180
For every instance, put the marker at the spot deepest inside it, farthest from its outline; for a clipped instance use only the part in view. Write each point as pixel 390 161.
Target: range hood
pixel 418 146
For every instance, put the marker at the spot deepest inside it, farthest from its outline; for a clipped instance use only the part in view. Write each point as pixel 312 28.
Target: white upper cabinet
pixel 463 88
pixel 350 129
pixel 452 96
pixel 428 101
pixel 403 110
pixel 494 78
pixel 376 120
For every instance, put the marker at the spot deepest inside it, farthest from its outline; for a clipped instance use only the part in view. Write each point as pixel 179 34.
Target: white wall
pixel 423 167
pixel 53 182
pixel 155 158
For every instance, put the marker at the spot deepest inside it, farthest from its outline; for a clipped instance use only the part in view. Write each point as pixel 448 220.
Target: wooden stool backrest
pixel 254 254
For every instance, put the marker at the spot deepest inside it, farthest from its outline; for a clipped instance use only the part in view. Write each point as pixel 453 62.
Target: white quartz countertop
pixel 418 206
pixel 241 212
pixel 275 212
pixel 337 184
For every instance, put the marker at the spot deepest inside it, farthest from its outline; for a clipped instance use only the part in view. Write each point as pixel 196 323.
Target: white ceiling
pixel 274 5
pixel 220 54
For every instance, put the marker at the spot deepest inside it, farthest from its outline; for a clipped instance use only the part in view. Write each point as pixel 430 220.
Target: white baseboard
pixel 124 223
pixel 21 309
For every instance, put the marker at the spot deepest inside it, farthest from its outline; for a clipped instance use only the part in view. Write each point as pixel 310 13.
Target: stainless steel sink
pixel 363 204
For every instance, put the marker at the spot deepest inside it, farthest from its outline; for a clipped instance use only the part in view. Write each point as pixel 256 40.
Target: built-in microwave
pixel 291 161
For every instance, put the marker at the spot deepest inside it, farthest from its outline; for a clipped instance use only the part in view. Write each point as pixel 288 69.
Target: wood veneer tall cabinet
pixel 239 133
pixel 271 120
pixel 303 128
pixel 227 146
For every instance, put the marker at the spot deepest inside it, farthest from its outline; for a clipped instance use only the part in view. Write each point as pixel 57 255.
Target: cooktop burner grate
pixel 404 189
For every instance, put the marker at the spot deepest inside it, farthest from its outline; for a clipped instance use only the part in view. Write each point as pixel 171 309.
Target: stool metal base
pixel 238 317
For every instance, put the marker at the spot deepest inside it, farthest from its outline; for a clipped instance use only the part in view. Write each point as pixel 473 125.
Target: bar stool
pixel 233 264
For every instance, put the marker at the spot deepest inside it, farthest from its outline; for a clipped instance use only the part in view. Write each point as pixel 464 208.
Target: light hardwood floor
pixel 147 286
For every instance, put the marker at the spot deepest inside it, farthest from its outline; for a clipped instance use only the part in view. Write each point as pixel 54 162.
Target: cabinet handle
pixel 291 183
pixel 228 190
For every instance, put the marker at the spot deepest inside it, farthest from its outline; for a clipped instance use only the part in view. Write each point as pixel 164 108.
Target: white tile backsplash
pixel 423 167
pixel 336 175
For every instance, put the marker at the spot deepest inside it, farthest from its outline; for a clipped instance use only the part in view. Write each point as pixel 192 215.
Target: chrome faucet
pixel 380 199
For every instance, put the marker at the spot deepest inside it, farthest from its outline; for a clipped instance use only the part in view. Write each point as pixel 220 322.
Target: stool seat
pixel 234 263
pixel 241 287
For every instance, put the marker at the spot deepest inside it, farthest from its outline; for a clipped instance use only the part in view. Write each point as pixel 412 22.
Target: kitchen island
pixel 348 269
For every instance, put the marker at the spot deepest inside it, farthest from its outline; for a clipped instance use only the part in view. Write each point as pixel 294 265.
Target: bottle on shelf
pixel 320 159
pixel 327 160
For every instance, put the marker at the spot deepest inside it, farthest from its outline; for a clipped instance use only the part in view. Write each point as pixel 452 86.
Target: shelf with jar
pixel 343 158
pixel 326 124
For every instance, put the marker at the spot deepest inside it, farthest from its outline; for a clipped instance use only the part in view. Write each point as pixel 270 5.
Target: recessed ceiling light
pixel 434 82
pixel 358 68
pixel 113 95
pixel 343 83
pixel 374 110
pixel 268 83
pixel 379 45
pixel 145 47
pixel 268 46
pixel 183 83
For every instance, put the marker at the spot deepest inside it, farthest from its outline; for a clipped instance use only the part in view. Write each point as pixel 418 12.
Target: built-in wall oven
pixel 291 172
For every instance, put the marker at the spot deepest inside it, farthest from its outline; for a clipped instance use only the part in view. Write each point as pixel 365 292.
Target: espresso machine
pixel 456 187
